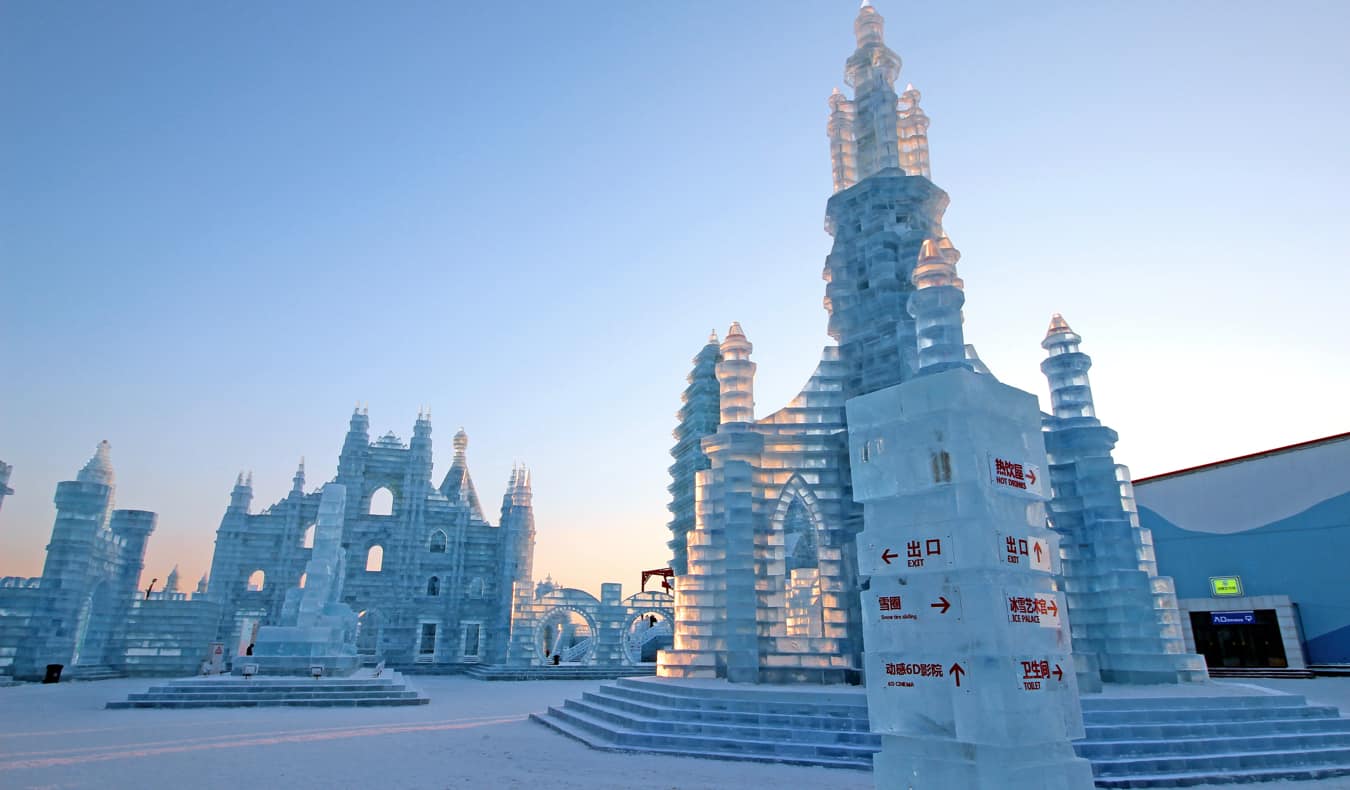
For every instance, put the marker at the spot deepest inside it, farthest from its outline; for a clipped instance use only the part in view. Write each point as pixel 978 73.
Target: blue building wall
pixel 1280 520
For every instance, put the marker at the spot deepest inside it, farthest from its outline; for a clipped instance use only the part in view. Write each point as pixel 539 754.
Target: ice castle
pixel 764 520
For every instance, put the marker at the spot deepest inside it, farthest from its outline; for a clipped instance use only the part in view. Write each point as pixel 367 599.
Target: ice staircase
pixel 559 672
pixel 779 725
pixel 361 690
pixel 1179 741
pixel 1131 741
pixel 91 672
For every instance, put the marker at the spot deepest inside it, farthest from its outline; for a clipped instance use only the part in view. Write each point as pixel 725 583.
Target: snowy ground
pixel 474 734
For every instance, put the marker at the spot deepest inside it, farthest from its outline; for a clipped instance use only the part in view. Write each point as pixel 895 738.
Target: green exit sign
pixel 1225 586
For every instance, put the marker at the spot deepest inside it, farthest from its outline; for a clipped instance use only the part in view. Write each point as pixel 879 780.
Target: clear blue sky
pixel 222 224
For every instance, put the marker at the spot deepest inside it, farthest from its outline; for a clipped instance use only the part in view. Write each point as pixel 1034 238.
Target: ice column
pixel 969 681
pixel 1126 625
pixel 913 130
pixel 736 375
pixel 936 308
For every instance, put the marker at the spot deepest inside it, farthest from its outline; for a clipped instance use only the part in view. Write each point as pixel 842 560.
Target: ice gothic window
pixel 256 580
pixel 375 559
pixel 382 502
pixel 438 542
pixel 433 586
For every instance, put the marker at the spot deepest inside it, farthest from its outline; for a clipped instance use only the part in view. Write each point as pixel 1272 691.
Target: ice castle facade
pixel 431 580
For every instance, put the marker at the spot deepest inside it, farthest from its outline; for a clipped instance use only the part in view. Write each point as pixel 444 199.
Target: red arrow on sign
pixel 1031 477
pixel 1038 552
pixel 1054 607
pixel 942 604
pixel 957 671
pixel 1059 673
pixel 888 555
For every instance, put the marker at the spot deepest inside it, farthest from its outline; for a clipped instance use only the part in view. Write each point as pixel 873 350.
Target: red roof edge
pixel 1247 457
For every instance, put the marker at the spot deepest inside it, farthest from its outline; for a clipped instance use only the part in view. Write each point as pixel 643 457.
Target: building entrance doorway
pixel 1239 639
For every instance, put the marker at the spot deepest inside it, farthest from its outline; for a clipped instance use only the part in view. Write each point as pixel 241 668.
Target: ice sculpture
pixel 1126 625
pixel 316 629
pixel 969 679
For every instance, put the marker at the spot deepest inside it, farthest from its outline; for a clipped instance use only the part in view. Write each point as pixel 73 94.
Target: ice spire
pixel 457 483
pixel 99 468
pixel 241 497
pixel 936 308
pixel 736 376
pixel 171 583
pixel 877 129
pixel 202 584
pixel 1070 392
pixel 298 482
pixel 356 447
pixel 912 127
pixel 461 443
pixel 843 150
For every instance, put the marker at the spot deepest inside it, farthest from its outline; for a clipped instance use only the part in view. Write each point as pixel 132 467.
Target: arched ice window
pixel 307 542
pixel 303 578
pixel 476 588
pixel 382 502
pixel 433 586
pixel 438 542
pixel 256 580
pixel 375 559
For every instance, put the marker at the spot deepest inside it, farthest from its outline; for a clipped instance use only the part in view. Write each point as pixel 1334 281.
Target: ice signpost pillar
pixel 969 676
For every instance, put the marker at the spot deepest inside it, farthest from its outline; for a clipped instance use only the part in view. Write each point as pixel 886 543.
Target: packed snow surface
pixel 473 734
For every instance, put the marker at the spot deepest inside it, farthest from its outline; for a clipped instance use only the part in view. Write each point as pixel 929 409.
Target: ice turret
pixel 517 563
pixel 1126 626
pixel 298 482
pixel 457 483
pixel 912 127
pixel 356 447
pixel 99 468
pixel 736 378
pixel 171 583
pixel 1066 369
pixel 843 150
pixel 936 308
pixel 699 415
pixel 5 490
pixel 241 496
pixel 202 584
pixel 420 445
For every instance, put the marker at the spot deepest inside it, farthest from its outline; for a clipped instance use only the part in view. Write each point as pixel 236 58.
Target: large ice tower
pixel 1126 625
pixel 763 515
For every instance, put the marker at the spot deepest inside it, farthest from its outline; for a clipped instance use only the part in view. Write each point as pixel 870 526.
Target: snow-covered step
pixel 658 724
pixel 390 689
pixel 561 672
pixel 809 719
pixel 1167 730
pixel 603 743
pixel 602 735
